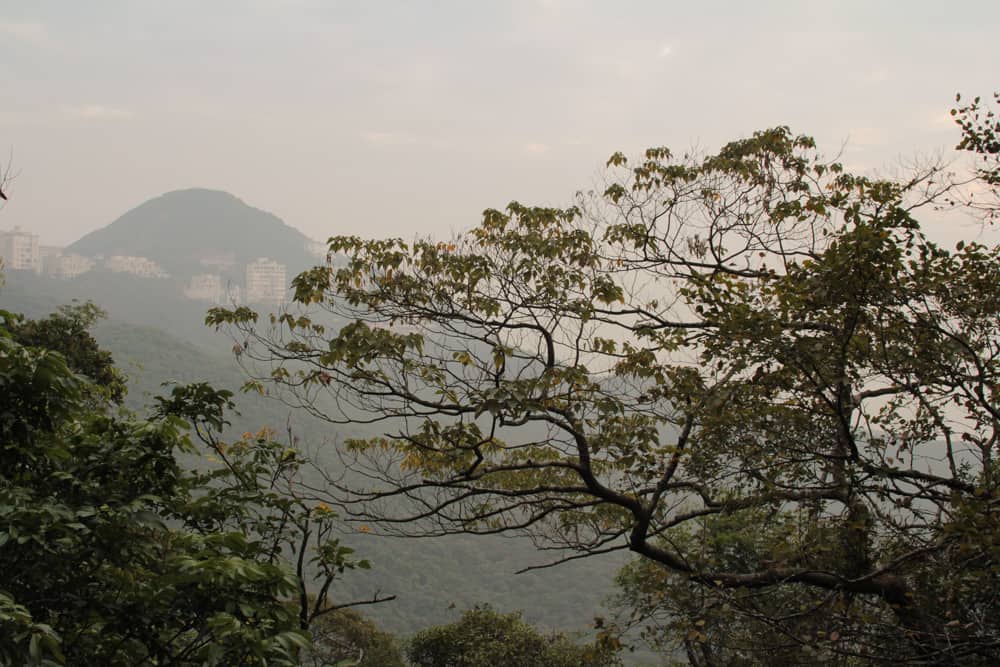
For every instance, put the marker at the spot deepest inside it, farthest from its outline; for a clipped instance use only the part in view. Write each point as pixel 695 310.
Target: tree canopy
pixel 483 637
pixel 753 369
pixel 67 331
pixel 113 553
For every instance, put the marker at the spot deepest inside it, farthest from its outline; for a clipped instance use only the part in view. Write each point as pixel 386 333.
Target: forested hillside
pixel 157 304
pixel 431 578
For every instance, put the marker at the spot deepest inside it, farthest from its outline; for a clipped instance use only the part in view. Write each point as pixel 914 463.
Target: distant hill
pixel 198 231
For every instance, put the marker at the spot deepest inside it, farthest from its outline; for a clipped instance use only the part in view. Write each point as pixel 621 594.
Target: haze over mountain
pixel 197 231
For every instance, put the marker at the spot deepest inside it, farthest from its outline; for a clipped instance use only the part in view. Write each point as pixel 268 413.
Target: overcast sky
pixel 406 118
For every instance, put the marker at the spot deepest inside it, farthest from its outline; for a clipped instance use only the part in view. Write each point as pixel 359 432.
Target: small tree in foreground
pixel 483 637
pixel 112 553
pixel 67 331
pixel 102 563
pixel 752 369
pixel 345 638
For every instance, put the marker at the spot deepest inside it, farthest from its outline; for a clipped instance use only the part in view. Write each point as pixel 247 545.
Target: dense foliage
pixel 483 637
pixel 115 554
pixel 752 369
pixel 67 331
pixel 103 557
pixel 345 638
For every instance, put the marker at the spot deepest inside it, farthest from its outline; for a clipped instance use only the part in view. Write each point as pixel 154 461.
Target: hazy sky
pixel 405 118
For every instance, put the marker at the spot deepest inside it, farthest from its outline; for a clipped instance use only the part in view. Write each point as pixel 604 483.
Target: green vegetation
pixel 146 558
pixel 92 572
pixel 485 638
pixel 346 638
pixel 752 369
pixel 426 576
pixel 113 554
pixel 68 332
pixel 758 375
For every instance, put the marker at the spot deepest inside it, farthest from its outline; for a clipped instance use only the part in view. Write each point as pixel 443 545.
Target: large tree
pixel 752 369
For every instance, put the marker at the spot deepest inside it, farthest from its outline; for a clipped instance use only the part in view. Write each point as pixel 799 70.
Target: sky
pixel 410 118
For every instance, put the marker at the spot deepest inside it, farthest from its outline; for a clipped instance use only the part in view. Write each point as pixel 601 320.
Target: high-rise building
pixel 267 281
pixel 19 250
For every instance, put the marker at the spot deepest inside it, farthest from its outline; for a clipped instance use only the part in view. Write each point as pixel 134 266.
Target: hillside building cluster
pixel 266 280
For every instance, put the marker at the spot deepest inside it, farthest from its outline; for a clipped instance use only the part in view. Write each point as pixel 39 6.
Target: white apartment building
pixel 70 266
pixel 267 281
pixel 205 287
pixel 19 250
pixel 139 266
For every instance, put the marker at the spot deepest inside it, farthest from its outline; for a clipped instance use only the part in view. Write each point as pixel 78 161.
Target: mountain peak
pixel 181 229
pixel 205 193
